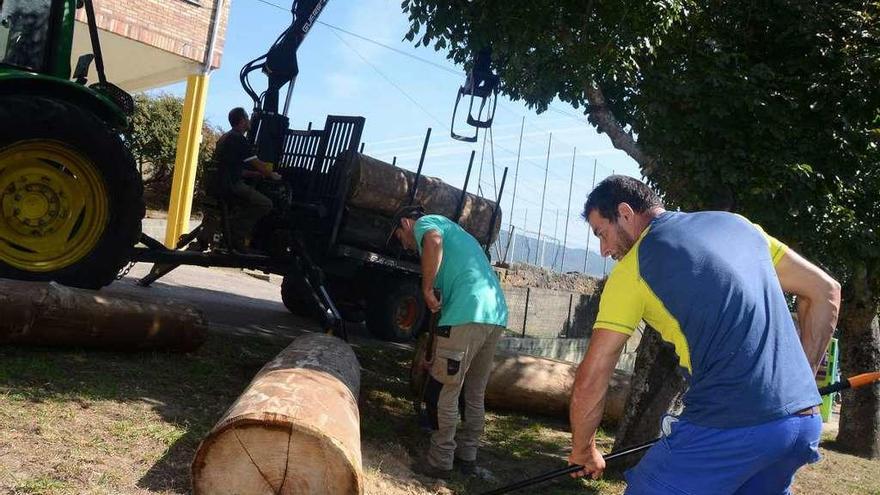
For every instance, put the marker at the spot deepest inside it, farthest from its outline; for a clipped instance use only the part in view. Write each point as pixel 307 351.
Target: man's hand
pixel 591 460
pixel 818 298
pixel 274 176
pixel 431 301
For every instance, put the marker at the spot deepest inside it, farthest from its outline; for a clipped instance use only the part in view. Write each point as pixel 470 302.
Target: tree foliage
pixel 767 108
pixel 153 140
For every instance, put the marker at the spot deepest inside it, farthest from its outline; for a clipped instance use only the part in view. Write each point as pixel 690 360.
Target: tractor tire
pixel 71 197
pixel 396 311
pixel 294 298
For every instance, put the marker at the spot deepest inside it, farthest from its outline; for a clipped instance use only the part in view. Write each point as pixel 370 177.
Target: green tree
pixel 766 108
pixel 153 140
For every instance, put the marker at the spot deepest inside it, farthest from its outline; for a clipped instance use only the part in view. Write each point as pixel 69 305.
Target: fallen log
pixel 530 384
pixel 294 430
pixel 49 314
pixel 382 188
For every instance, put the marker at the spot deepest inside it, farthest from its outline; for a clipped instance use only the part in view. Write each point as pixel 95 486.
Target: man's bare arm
pixel 818 296
pixel 588 398
pixel 432 256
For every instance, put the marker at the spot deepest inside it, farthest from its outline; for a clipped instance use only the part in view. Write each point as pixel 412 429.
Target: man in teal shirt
pixel 473 315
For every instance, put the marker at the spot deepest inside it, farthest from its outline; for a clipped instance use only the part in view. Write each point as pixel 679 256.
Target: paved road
pixel 231 300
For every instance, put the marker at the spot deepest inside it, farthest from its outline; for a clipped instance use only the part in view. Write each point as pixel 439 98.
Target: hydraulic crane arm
pixel 280 66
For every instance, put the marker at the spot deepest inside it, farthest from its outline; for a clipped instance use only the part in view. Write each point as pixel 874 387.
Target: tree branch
pixel 601 117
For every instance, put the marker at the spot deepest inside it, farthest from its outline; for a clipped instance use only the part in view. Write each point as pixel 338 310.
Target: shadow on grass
pixel 189 391
pixel 514 447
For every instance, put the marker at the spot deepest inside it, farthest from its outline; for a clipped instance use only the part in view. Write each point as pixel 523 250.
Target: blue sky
pixel 342 75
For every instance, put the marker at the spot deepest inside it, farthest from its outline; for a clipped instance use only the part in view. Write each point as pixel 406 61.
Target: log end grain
pixel 253 458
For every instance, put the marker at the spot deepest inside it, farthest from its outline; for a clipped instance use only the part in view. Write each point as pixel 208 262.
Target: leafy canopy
pixel 767 108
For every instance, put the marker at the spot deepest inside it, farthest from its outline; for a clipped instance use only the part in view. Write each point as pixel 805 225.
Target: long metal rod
pixel 480 170
pixel 568 211
pixel 492 157
pixel 587 255
pixel 543 194
pixel 96 41
pixel 516 173
pixel 555 238
pixel 467 177
pixel 852 382
pixel 496 210
pixel 415 186
pixel 212 38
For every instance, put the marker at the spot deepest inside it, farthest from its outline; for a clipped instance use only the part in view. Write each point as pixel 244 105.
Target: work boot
pixel 425 468
pixel 467 468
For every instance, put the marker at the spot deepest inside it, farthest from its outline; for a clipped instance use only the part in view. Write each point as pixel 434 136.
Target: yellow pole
pixel 186 161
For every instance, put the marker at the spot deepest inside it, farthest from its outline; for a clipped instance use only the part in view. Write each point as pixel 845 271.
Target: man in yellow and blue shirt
pixel 712 284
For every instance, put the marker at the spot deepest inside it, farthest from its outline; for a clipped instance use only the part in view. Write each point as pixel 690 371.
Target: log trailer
pixel 71 197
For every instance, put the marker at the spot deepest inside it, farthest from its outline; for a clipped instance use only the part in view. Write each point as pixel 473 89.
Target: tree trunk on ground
pixel 294 430
pixel 656 387
pixel 859 432
pixel 49 314
pixel 529 384
pixel 382 188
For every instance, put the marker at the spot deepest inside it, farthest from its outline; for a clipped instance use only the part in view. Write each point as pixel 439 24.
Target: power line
pixel 377 43
pixel 388 80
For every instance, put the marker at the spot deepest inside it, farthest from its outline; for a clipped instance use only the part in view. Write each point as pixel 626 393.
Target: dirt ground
pixel 90 422
pixel 523 275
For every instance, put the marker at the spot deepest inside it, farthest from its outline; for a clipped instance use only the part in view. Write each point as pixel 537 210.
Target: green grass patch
pixel 39 485
pixel 102 422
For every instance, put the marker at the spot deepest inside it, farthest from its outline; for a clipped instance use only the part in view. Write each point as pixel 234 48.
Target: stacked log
pixel 49 314
pixel 294 430
pixel 378 189
pixel 537 385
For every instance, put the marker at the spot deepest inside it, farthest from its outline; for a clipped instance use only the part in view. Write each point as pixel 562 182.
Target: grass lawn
pixel 74 422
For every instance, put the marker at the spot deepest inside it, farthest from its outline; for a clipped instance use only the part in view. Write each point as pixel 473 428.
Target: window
pixel 24 32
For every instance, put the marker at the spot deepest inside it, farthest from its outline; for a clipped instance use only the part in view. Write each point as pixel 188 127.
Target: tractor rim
pixel 53 205
pixel 406 314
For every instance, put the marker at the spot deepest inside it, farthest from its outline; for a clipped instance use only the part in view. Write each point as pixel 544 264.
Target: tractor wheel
pixel 71 198
pixel 396 311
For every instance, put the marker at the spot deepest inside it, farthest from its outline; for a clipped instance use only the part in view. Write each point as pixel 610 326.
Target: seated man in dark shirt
pixel 235 160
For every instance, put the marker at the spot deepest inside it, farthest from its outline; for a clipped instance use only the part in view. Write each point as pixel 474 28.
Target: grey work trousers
pixel 250 206
pixel 456 387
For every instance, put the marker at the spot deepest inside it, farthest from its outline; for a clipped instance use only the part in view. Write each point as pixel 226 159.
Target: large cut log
pixel 365 229
pixel 530 384
pixel 294 430
pixel 382 188
pixel 48 314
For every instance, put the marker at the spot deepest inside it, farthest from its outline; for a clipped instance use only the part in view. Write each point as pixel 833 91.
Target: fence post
pixel 568 320
pixel 526 311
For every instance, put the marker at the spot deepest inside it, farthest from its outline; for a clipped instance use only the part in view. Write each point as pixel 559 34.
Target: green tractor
pixel 71 197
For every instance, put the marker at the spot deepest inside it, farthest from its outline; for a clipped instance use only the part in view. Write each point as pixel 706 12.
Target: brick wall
pixel 181 27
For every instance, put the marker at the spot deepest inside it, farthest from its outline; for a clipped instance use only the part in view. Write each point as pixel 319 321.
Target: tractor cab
pixel 25 31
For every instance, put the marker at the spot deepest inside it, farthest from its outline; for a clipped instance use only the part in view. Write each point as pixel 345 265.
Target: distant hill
pixel 525 249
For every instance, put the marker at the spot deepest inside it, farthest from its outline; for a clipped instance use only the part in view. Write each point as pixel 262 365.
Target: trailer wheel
pixel 294 297
pixel 396 311
pixel 71 198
